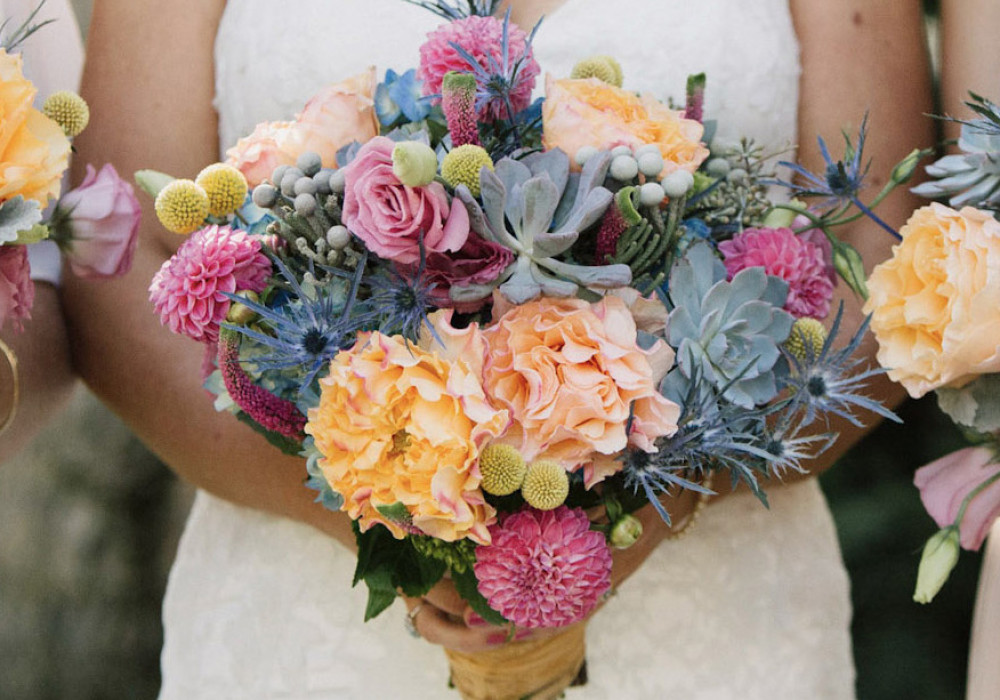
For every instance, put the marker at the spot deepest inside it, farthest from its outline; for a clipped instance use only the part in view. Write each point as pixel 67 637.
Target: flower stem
pixel 972 494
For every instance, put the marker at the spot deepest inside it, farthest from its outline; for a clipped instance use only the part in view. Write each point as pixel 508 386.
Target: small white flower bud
pixel 584 154
pixel 651 194
pixel 624 168
pixel 678 183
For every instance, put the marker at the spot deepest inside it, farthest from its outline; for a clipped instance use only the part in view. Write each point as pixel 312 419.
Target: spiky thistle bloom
pixel 458 102
pixel 273 413
pixel 544 568
pixel 841 181
pixel 497 53
pixel 68 110
pixel 458 10
pixel 828 382
pixel 400 300
pixel 309 330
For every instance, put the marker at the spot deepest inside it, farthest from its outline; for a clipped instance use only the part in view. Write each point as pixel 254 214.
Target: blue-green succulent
pixel 971 177
pixel 726 333
pixel 535 207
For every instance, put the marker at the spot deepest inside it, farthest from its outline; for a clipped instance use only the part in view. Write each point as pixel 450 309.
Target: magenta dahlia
pixel 783 254
pixel 189 290
pixel 544 568
pixel 498 76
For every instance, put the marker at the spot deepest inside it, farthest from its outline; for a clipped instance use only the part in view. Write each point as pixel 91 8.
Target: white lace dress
pixel 752 605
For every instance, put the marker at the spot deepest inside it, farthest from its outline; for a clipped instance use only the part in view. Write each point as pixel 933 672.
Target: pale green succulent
pixel 971 177
pixel 726 334
pixel 974 405
pixel 536 208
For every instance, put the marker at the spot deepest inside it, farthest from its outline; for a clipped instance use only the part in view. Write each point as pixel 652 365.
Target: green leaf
pixel 381 593
pixel 36 233
pixel 468 587
pixel 366 541
pixel 850 267
pixel 152 181
pixel 396 513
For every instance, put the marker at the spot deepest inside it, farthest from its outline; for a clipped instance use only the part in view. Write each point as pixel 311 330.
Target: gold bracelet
pixel 11 358
pixel 690 520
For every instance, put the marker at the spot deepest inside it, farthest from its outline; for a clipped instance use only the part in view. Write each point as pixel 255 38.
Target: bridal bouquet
pixel 497 327
pixel 95 225
pixel 934 313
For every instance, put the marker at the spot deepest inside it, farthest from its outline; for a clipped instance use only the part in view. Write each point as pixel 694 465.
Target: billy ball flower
pixel 225 186
pixel 603 68
pixel 182 206
pixel 544 568
pixel 546 485
pixel 806 339
pixel 462 166
pixel 68 110
pixel 502 468
pixel 189 291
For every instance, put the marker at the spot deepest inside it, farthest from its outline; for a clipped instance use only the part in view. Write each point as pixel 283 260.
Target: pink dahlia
pixel 783 254
pixel 189 291
pixel 17 291
pixel 482 37
pixel 544 568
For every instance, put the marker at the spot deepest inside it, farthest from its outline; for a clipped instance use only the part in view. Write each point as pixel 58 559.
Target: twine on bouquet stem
pixel 11 358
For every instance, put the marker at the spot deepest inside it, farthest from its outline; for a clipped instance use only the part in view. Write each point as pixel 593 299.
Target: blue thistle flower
pixel 308 330
pixel 841 181
pixel 400 301
pixel 496 81
pixel 458 10
pixel 825 382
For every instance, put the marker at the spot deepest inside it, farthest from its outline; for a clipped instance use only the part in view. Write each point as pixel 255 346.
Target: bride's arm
pixel 149 80
pixel 858 56
pixel 970 55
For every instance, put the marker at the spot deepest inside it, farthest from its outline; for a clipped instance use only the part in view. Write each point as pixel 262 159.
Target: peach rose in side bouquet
pixel 336 116
pixel 590 112
pixel 403 425
pixel 935 304
pixel 392 218
pixel 34 151
pixel 570 373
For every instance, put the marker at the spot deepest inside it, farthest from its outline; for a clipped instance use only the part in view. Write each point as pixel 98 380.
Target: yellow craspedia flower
pixel 225 186
pixel 182 207
pixel 546 485
pixel 68 110
pixel 502 469
pixel 806 339
pixel 603 68
pixel 462 165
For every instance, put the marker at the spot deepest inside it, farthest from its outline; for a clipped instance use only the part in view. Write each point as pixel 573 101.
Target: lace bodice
pixel 752 604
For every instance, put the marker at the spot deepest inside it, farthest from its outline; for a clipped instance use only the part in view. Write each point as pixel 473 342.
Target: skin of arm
pixel 970 56
pixel 44 375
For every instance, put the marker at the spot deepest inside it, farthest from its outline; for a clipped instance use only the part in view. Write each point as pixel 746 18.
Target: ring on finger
pixel 410 621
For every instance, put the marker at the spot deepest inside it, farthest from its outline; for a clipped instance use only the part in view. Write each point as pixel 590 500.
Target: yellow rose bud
pixel 414 163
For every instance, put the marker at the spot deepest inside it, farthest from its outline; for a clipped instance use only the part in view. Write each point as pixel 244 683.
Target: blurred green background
pixel 87 542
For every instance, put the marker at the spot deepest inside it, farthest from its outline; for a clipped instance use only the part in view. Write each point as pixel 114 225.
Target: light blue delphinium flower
pixel 973 176
pixel 400 96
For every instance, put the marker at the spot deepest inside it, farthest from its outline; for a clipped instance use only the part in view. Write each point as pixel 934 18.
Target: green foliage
pixel 468 588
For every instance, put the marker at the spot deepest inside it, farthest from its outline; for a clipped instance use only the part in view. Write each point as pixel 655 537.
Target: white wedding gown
pixel 753 604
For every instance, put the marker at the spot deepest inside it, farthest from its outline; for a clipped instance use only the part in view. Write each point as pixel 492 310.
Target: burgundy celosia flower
pixel 544 568
pixel 783 254
pixel 17 291
pixel 189 290
pixel 481 37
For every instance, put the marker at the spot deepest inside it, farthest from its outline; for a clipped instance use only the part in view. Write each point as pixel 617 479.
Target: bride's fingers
pixel 445 597
pixel 437 626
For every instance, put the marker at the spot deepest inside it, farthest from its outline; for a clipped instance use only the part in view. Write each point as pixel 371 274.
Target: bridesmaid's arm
pixel 149 80
pixel 970 55
pixel 858 56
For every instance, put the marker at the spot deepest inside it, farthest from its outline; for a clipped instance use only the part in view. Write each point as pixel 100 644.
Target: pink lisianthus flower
pixel 189 291
pixel 481 37
pixel 945 483
pixel 390 217
pixel 478 262
pixel 17 291
pixel 783 254
pixel 544 568
pixel 98 224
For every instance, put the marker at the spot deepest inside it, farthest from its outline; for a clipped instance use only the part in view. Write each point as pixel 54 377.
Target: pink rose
pixel 336 116
pixel 390 217
pixel 945 483
pixel 478 262
pixel 101 226
pixel 17 291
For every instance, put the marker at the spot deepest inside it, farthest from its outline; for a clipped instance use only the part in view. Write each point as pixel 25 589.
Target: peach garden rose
pixel 569 371
pixel 34 151
pixel 398 424
pixel 590 112
pixel 935 304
